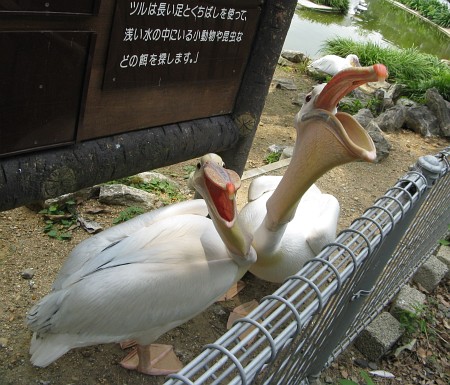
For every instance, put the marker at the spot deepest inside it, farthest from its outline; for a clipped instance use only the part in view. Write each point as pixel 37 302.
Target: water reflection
pixel 382 23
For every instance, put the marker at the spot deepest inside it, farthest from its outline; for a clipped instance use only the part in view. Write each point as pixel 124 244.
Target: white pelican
pixel 140 279
pixel 332 64
pixel 291 220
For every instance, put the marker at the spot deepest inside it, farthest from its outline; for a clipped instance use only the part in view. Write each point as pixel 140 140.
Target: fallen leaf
pixel 381 373
pixel 91 227
pixel 97 210
pixel 232 291
pixel 240 312
pixel 422 353
pixel 409 346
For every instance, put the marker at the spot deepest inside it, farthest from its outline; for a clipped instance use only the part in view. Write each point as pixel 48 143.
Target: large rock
pixel 437 104
pixel 150 176
pixel 421 120
pixel 381 143
pixel 284 84
pixel 294 56
pixel 364 116
pixel 395 91
pixel 405 102
pixel 120 194
pixel 392 119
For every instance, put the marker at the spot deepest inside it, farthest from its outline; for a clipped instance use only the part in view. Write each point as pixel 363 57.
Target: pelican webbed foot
pixel 164 360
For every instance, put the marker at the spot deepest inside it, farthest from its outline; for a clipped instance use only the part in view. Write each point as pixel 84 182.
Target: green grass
pixel 419 321
pixel 128 213
pixel 341 5
pixel 416 70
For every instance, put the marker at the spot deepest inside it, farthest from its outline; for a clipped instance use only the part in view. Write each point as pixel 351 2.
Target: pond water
pixel 382 23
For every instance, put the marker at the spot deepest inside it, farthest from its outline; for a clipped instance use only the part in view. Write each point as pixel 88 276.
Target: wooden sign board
pixel 154 44
pixel 88 7
pixel 41 87
pixel 90 69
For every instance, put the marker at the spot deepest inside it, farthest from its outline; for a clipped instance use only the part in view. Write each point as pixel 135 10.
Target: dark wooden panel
pixel 45 6
pixel 42 78
pixel 155 44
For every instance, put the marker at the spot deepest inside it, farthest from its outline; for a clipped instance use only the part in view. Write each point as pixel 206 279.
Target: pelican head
pixel 320 108
pixel 325 139
pixel 218 186
pixel 353 60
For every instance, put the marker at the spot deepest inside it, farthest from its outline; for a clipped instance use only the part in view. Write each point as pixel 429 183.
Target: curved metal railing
pixel 298 330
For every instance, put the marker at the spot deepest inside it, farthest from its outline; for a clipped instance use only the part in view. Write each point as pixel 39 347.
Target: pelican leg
pixel 127 344
pixel 232 291
pixel 164 362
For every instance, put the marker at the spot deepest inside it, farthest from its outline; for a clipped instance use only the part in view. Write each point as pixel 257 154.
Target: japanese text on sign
pixel 199 42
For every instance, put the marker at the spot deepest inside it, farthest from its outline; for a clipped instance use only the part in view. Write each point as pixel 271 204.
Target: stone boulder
pixel 364 116
pixel 392 119
pixel 395 91
pixel 440 108
pixel 284 84
pixel 120 194
pixel 150 176
pixel 405 102
pixel 421 120
pixel 294 56
pixel 381 143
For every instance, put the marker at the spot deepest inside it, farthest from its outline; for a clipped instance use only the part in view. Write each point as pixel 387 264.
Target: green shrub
pixel 272 157
pixel 433 10
pixel 341 5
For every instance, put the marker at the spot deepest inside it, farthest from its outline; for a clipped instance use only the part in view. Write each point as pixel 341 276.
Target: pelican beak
pixel 346 81
pixel 218 186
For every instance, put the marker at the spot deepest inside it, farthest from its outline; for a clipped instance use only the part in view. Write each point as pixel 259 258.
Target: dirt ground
pixel 23 245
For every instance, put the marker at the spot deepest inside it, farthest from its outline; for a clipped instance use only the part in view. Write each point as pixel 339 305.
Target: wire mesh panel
pixel 299 329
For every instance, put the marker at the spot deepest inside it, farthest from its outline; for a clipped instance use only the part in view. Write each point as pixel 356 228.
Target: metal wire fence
pixel 303 326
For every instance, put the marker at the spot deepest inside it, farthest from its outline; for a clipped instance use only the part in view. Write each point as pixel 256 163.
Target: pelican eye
pixel 199 166
pixel 308 98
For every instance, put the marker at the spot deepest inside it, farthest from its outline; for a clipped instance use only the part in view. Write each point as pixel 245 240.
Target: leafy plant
pixel 128 213
pixel 188 169
pixel 167 190
pixel 433 10
pixel 418 321
pixel 272 157
pixel 352 106
pixel 60 220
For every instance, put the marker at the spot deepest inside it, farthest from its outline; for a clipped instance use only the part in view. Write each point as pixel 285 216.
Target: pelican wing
pixel 139 288
pixel 90 247
pixel 262 185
